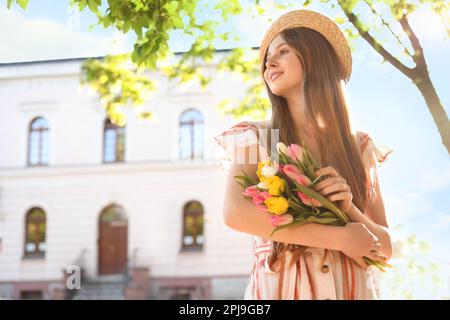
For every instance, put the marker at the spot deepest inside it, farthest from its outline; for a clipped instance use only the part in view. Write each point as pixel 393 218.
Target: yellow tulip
pixel 276 185
pixel 277 205
pixel 261 177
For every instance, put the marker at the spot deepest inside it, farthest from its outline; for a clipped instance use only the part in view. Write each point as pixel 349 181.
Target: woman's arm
pixel 374 218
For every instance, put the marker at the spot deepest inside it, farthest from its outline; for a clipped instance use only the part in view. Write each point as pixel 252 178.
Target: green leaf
pixel 171 7
pixel 293 223
pixel 177 22
pixel 23 3
pixel 242 184
pixel 339 20
pixel 248 178
pixel 380 265
pixel 285 159
pixel 316 181
pixel 295 206
pixel 92 4
pixel 327 214
pixel 82 4
pixel 321 220
pixel 324 201
pixel 244 181
pixel 288 190
pixel 311 159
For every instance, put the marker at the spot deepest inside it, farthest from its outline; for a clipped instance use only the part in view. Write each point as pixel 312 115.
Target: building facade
pixel 90 210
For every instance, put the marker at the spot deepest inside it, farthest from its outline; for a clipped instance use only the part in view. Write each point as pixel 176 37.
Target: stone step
pixel 102 288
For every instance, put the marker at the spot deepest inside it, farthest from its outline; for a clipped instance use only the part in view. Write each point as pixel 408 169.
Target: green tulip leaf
pixel 321 220
pixel 293 223
pixel 324 201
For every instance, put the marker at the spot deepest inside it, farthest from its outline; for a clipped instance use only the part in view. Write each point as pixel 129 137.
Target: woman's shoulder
pixel 243 130
pixel 374 153
pixel 243 134
pixel 251 124
pixel 361 138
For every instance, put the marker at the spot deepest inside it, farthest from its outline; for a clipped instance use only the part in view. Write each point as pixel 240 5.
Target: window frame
pixel 198 227
pixel 37 253
pixel 191 124
pixel 118 132
pixel 40 131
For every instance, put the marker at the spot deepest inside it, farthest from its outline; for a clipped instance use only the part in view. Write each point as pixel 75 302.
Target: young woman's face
pixel 282 60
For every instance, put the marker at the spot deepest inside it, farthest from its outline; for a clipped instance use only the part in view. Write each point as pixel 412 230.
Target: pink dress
pixel 319 273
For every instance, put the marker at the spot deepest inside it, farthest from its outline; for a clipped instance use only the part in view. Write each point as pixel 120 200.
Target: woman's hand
pixel 335 188
pixel 361 242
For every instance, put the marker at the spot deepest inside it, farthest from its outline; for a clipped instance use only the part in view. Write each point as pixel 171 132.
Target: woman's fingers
pixel 376 246
pixel 331 182
pixel 376 255
pixel 341 196
pixel 327 170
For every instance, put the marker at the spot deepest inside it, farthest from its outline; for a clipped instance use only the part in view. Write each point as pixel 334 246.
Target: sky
pixel 415 179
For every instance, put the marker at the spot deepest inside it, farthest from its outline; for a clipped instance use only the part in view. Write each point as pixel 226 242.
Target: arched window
pixel 113 142
pixel 191 135
pixel 38 146
pixel 35 224
pixel 113 212
pixel 192 226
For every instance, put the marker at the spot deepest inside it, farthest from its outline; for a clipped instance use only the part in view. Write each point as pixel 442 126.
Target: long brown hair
pixel 325 104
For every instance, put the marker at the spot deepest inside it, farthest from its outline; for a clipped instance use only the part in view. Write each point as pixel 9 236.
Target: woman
pixel 304 61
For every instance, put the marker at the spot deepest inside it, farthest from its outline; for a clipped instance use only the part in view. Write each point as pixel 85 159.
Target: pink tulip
pixel 295 152
pixel 296 174
pixel 265 195
pixel 303 180
pixel 308 200
pixel 281 220
pixel 251 191
pixel 260 197
pixel 291 171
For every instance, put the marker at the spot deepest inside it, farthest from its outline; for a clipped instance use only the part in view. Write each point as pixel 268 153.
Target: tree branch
pixel 374 43
pixel 388 26
pixel 418 56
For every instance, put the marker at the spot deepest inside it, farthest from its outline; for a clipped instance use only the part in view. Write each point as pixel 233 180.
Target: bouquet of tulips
pixel 285 190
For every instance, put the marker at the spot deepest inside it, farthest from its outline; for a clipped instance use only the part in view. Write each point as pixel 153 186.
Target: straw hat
pixel 315 21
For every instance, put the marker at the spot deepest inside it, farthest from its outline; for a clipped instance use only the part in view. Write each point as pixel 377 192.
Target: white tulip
pixel 263 185
pixel 282 148
pixel 269 171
